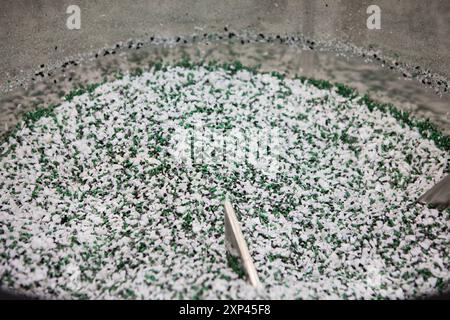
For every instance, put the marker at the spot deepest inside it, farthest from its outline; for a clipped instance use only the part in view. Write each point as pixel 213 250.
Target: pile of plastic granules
pixel 117 192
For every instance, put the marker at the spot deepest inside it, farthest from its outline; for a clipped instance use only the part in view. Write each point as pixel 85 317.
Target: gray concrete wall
pixel 416 31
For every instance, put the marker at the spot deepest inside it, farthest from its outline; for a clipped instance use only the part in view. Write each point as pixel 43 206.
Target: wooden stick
pixel 234 235
pixel 439 195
